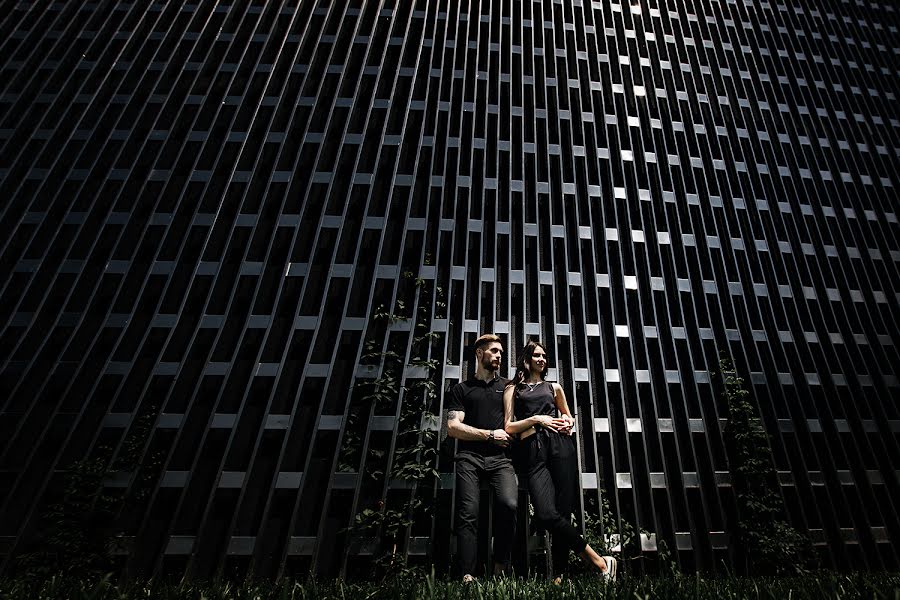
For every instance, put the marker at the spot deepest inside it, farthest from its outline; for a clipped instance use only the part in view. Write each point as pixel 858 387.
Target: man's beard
pixel 488 365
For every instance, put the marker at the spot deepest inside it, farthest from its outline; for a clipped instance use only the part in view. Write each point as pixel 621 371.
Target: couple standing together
pixel 488 412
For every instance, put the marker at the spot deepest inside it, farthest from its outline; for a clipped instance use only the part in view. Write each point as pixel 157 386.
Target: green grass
pixel 817 586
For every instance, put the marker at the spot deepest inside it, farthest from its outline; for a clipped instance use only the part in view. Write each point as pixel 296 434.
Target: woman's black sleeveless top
pixel 540 401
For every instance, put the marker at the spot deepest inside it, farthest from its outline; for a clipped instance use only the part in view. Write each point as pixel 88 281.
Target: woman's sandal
pixel 610 572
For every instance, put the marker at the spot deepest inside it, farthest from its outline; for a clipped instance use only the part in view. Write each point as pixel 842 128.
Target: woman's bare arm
pixel 562 405
pixel 559 398
pixel 513 426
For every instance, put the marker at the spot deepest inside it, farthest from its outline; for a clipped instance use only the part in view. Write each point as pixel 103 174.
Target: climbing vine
pixel 76 534
pixel 766 542
pixel 413 460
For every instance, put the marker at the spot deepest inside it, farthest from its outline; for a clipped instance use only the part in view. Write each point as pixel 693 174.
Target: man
pixel 475 418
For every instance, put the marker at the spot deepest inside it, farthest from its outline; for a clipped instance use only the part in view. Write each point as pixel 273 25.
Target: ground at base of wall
pixel 412 586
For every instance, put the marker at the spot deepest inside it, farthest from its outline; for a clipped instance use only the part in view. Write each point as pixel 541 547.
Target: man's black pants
pixel 498 470
pixel 550 464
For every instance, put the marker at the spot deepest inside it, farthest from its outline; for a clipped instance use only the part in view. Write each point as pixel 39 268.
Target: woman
pixel 546 455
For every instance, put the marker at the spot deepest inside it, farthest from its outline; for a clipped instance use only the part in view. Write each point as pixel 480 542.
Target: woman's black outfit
pixel 548 461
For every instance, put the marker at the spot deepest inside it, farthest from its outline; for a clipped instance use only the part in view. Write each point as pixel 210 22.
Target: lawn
pixel 815 586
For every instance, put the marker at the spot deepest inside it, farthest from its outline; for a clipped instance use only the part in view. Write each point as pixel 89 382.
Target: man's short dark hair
pixel 485 341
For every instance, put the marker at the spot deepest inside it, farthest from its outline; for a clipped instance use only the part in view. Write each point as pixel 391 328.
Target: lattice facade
pixel 209 207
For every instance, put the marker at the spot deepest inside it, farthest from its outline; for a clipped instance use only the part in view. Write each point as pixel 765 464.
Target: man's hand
pixel 501 438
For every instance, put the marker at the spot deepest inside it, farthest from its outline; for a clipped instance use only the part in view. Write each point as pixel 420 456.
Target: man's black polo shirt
pixel 483 404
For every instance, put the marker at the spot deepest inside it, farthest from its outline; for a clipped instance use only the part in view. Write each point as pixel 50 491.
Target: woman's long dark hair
pixel 523 370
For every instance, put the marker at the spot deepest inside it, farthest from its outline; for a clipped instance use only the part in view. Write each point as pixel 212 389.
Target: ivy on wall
pixel 766 543
pixel 76 534
pixel 411 465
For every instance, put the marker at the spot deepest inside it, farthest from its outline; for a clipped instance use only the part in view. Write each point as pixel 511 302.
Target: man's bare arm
pixel 459 430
